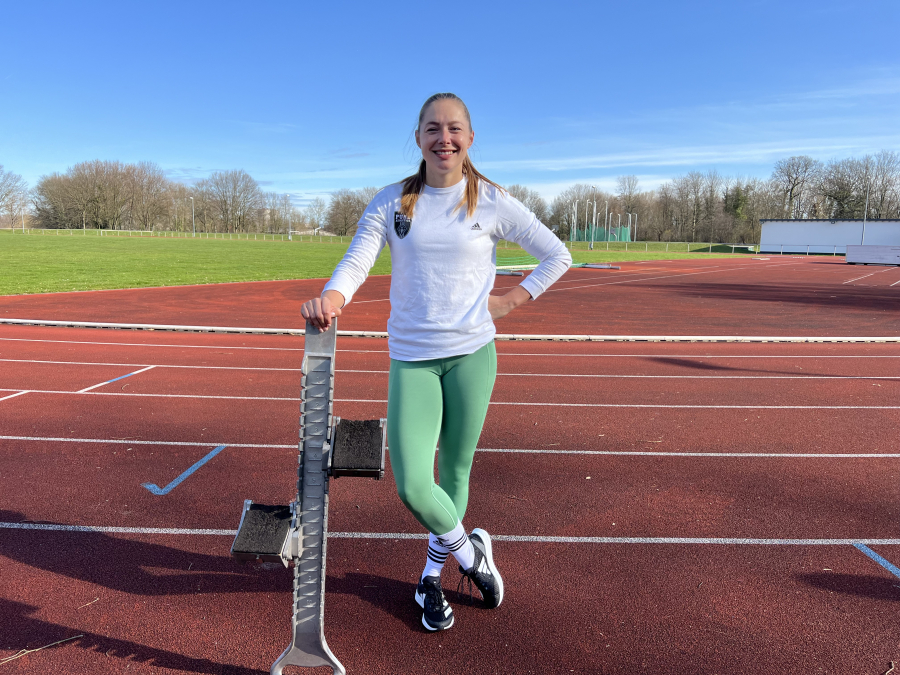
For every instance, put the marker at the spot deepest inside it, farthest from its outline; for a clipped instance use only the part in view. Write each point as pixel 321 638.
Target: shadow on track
pixel 827 298
pixel 21 631
pixel 875 588
pixel 138 567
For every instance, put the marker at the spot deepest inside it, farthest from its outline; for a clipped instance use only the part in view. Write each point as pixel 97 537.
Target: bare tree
pixel 627 191
pixel 233 197
pixel 316 212
pixel 344 211
pixel 843 187
pixel 795 176
pixel 532 201
pixel 13 196
pixel 13 193
pixel 884 200
pixel 150 195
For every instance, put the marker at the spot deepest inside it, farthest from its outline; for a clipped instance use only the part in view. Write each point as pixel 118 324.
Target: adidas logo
pixel 476 226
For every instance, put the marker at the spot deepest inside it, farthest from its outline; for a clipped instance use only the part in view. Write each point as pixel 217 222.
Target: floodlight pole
pixel 865 214
pixel 635 226
pixel 605 212
pixel 586 213
pixel 193 222
pixel 593 225
pixel 575 232
pixel 290 225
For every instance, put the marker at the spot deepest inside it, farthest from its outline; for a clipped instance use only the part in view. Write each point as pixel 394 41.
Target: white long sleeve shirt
pixel 444 265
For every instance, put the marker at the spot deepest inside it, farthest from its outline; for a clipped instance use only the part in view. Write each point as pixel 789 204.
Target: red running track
pixel 166 603
pixel 724 296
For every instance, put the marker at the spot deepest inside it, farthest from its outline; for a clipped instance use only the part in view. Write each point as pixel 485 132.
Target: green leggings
pixel 438 401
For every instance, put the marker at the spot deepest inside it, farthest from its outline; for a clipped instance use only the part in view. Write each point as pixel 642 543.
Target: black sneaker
pixel 438 614
pixel 484 573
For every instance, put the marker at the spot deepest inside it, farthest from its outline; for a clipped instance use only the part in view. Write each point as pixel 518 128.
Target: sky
pixel 309 98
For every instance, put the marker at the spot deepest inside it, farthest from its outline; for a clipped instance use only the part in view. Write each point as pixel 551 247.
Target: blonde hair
pixel 412 185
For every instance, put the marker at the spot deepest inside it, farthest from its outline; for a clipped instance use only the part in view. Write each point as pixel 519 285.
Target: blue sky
pixel 312 97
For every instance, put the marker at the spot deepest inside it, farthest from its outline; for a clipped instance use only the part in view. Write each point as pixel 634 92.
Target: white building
pixel 825 236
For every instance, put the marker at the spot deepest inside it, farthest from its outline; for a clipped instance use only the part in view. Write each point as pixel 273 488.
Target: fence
pixel 167 234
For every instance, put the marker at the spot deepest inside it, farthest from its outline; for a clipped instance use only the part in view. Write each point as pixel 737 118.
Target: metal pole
pixel 605 211
pixel 574 232
pixel 865 213
pixel 593 188
pixel 290 224
pixel 193 222
pixel 593 224
pixel 635 226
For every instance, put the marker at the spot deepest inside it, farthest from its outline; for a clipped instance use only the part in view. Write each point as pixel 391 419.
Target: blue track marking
pixel 893 569
pixel 155 489
pixel 122 377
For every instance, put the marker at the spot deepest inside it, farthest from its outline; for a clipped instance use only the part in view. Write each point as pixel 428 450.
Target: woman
pixel 442 225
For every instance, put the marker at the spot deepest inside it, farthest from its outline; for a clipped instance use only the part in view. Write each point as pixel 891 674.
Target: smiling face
pixel 445 136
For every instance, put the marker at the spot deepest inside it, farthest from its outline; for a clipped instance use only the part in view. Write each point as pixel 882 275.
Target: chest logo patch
pixel 476 226
pixel 401 224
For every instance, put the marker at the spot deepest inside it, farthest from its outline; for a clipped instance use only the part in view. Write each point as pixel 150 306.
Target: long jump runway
pixel 684 507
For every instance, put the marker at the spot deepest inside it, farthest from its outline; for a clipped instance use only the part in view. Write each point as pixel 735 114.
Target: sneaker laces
pixel 467 576
pixel 435 594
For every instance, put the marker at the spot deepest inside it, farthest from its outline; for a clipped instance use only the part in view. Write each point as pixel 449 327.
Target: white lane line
pixel 500 353
pixel 115 379
pixel 502 337
pixel 126 441
pixel 537 404
pixel 729 455
pixel 150 344
pixel 534 539
pixel 896 282
pixel 5 398
pixel 865 276
pixel 576 375
pixel 622 453
pixel 168 365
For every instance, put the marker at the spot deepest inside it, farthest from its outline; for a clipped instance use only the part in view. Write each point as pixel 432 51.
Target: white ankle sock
pixel 437 556
pixel 457 542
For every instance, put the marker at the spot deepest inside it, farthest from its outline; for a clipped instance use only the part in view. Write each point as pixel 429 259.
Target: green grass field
pixel 52 261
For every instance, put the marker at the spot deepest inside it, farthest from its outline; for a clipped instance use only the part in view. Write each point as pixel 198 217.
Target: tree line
pixel 693 207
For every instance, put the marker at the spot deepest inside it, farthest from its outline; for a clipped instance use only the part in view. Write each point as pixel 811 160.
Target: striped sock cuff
pixel 437 556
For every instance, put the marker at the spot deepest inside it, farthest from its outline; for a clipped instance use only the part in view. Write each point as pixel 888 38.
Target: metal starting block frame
pixel 297 533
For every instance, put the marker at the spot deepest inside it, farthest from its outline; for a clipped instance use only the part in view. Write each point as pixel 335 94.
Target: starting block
pixel 296 533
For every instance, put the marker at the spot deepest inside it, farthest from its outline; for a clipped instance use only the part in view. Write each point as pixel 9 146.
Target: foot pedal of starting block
pixel 263 533
pixel 509 273
pixel 601 266
pixel 357 448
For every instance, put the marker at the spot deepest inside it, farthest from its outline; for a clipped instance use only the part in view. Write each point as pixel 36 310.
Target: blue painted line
pixel 155 489
pixel 120 378
pixel 893 569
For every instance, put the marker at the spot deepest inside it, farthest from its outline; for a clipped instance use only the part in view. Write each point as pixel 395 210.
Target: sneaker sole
pixel 420 600
pixel 489 555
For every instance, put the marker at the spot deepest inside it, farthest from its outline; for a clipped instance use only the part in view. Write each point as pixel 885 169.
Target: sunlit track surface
pixel 731 506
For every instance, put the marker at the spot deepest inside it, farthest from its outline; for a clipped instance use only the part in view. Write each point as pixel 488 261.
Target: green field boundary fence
pixel 172 234
pixel 578 245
